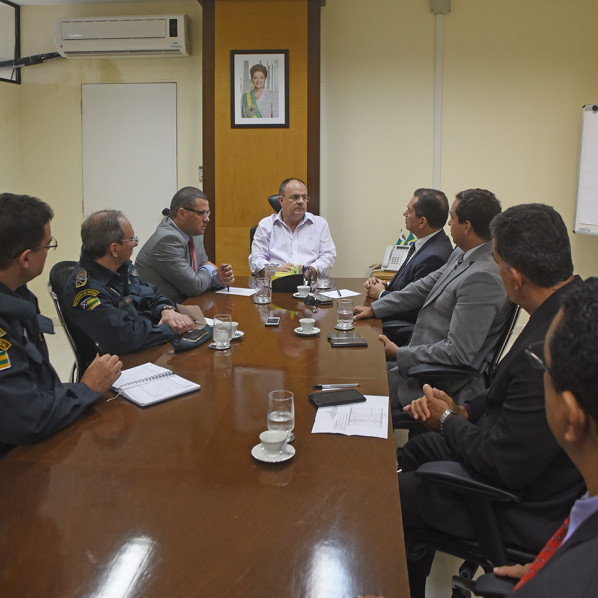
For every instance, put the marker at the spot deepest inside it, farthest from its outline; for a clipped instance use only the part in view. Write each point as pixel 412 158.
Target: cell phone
pixel 349 342
pixel 272 321
pixel 321 300
pixel 343 396
pixel 336 336
pixel 195 335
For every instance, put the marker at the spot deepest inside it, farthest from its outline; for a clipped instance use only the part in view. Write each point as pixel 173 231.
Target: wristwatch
pixel 443 418
pixel 168 307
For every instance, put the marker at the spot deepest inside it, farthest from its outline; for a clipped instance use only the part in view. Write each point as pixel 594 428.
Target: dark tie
pixel 545 554
pixel 403 265
pixel 193 256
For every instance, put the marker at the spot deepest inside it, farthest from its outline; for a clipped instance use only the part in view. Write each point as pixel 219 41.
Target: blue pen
pixel 228 288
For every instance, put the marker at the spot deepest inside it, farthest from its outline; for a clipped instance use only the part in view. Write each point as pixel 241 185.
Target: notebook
pixel 148 384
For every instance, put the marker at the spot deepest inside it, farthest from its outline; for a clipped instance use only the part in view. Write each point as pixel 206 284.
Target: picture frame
pixel 10 41
pixel 261 73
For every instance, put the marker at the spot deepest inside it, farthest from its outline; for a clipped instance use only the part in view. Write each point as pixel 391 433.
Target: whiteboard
pixel 129 150
pixel 586 213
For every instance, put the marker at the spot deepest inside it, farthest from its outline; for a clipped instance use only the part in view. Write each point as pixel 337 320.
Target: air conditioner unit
pixel 126 37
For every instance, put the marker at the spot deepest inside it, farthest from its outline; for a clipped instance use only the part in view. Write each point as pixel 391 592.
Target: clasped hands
pixel 374 286
pixel 429 408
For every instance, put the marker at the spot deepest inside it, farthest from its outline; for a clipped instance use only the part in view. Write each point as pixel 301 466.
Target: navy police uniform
pixel 116 310
pixel 33 402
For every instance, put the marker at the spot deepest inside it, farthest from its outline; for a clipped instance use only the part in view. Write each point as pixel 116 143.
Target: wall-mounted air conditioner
pixel 137 36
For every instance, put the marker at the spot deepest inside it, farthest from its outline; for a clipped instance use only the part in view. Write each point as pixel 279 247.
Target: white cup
pixel 234 326
pixel 307 324
pixel 303 290
pixel 273 440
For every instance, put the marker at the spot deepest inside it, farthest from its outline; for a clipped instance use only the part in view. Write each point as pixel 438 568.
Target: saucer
pixel 298 296
pixel 259 453
pixel 237 335
pixel 213 346
pixel 300 332
pixel 343 328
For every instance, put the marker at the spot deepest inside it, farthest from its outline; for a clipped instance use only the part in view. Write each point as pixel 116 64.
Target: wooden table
pixel 168 502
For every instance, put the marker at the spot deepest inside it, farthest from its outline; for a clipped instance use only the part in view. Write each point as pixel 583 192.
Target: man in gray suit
pixel 463 304
pixel 173 258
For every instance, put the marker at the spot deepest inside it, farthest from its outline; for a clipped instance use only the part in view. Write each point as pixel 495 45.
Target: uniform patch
pixel 4 360
pixel 81 279
pixel 90 303
pixel 4 344
pixel 2 332
pixel 82 294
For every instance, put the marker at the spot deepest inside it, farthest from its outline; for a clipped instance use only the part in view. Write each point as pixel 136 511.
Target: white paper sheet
pixel 356 419
pixel 335 294
pixel 237 291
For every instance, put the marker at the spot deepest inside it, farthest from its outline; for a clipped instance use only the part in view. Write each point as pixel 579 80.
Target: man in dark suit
pixel 426 214
pixel 570 364
pixel 501 434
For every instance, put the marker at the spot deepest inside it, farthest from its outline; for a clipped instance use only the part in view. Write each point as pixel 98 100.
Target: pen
pixel 228 288
pixel 332 386
pixel 339 293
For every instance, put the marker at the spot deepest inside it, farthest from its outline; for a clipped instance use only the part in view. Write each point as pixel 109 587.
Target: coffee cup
pixel 273 440
pixel 303 290
pixel 307 325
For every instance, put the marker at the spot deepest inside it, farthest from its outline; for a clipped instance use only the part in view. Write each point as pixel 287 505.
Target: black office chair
pixel 82 346
pixel 488 549
pixel 275 204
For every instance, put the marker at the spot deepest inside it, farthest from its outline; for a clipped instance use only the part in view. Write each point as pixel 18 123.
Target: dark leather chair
pixel 488 549
pixel 82 346
pixel 275 204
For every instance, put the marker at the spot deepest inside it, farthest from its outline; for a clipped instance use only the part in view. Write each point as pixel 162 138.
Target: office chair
pixel 81 345
pixel 275 204
pixel 488 549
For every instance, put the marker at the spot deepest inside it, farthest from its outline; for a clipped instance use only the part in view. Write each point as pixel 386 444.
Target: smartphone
pixel 272 321
pixel 343 396
pixel 195 335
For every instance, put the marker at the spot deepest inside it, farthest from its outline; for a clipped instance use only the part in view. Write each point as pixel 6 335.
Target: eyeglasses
pixel 296 197
pixel 53 244
pixel 202 213
pixel 535 354
pixel 134 240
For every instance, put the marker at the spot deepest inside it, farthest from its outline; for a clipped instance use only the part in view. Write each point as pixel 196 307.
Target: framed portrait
pixel 10 41
pixel 259 81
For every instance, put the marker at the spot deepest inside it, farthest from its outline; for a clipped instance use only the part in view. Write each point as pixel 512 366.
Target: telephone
pixel 394 256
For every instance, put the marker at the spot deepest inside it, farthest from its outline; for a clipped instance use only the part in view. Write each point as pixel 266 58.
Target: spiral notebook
pixel 148 384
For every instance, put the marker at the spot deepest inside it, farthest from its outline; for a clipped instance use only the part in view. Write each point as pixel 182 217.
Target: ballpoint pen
pixel 332 386
pixel 339 293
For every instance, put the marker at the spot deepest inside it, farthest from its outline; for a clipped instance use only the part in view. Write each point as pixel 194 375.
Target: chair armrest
pixel 429 371
pixel 453 474
pixel 493 586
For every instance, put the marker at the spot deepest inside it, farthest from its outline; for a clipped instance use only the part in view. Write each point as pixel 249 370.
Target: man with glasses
pixel 294 238
pixel 107 300
pixel 501 434
pixel 33 402
pixel 174 258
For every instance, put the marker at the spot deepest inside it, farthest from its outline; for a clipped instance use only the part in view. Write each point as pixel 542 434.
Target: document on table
pixel 338 294
pixel 237 291
pixel 355 419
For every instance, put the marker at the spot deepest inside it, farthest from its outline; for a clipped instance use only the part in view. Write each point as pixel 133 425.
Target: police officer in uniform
pixel 33 402
pixel 106 300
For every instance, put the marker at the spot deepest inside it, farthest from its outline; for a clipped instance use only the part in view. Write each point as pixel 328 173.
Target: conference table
pixel 167 501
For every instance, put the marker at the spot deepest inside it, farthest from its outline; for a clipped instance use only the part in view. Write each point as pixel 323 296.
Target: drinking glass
pixel 262 293
pixel 323 279
pixel 222 331
pixel 281 412
pixel 344 314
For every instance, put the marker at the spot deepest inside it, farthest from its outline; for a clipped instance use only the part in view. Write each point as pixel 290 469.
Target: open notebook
pixel 148 384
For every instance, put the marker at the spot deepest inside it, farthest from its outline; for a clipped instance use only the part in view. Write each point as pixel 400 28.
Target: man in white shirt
pixel 294 238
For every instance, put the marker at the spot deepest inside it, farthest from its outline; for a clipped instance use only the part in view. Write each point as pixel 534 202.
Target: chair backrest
pixel 274 202
pixel 82 346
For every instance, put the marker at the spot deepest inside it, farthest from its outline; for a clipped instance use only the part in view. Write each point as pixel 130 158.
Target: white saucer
pixel 237 335
pixel 213 346
pixel 298 296
pixel 341 328
pixel 300 332
pixel 259 453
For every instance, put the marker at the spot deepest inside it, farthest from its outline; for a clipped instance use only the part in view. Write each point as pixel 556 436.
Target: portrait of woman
pixel 259 86
pixel 259 102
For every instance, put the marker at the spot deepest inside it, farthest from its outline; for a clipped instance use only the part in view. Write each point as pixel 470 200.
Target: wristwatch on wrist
pixel 168 307
pixel 443 418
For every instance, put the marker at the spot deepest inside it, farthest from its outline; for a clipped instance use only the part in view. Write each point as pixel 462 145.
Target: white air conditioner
pixel 108 37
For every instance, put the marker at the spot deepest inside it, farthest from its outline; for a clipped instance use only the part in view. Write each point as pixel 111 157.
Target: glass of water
pixel 344 314
pixel 281 411
pixel 323 278
pixel 222 331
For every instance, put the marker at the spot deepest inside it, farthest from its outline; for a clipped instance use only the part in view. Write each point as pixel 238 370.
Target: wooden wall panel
pixel 250 163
